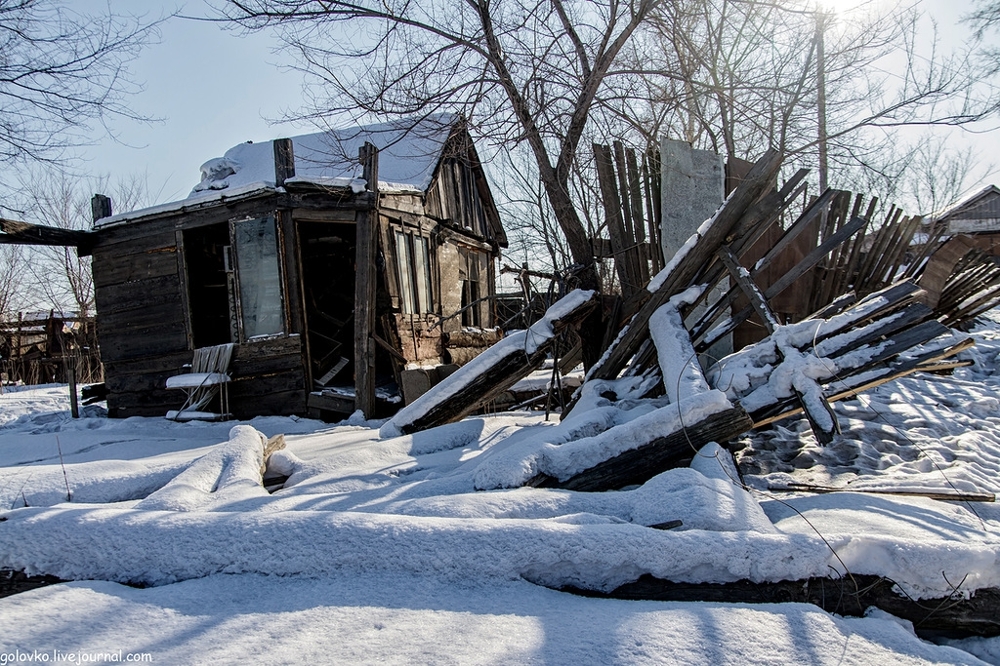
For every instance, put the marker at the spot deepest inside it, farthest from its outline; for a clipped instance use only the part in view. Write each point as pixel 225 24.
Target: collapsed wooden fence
pixel 877 305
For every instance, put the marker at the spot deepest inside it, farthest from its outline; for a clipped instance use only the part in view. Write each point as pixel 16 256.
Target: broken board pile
pixel 883 306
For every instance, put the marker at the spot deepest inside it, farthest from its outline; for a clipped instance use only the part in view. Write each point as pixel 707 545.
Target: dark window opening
pixel 209 285
pixel 471 272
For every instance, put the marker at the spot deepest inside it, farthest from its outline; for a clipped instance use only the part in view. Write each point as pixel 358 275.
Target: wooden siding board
pixel 136 264
pixel 138 294
pixel 145 341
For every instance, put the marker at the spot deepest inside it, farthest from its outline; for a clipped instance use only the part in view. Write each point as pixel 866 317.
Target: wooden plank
pixel 661 453
pixel 126 321
pixel 334 216
pixel 291 272
pixel 485 378
pixel 184 286
pixel 931 494
pixel 16 232
pixel 911 315
pixel 284 160
pixel 136 265
pixel 638 223
pixel 814 257
pixel 331 403
pixel 364 289
pixel 138 294
pixel 651 182
pixel 145 341
pixel 278 403
pixel 627 280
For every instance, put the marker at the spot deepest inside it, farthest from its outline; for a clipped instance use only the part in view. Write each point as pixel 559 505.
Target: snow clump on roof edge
pixel 409 150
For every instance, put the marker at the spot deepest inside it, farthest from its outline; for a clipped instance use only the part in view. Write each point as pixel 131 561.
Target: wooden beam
pixel 931 494
pixel 284 161
pixel 639 465
pixel 484 378
pixel 852 594
pixel 364 288
pixel 25 233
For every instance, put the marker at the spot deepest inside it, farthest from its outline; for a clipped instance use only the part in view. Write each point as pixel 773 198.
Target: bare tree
pixel 61 72
pixel 12 274
pixel 522 72
pixel 985 18
pixel 60 278
pixel 738 75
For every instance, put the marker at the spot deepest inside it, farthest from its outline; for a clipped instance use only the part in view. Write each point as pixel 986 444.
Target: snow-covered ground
pixel 414 549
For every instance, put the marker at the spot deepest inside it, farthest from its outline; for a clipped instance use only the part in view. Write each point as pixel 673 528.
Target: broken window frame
pixel 414 271
pixel 472 267
pixel 268 297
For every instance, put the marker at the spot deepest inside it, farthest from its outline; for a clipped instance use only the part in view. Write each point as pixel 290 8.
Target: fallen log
pixel 853 595
pixel 231 472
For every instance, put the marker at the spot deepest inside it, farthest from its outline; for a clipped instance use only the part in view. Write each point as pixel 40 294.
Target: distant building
pixel 978 217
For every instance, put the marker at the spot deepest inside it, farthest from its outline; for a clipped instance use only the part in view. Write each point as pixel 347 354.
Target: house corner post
pixel 364 287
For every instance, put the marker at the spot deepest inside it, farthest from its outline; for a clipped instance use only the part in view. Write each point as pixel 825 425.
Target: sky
pixel 213 88
pixel 210 89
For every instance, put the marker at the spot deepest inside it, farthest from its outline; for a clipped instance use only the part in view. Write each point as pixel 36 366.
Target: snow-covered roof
pixel 409 151
pixel 966 203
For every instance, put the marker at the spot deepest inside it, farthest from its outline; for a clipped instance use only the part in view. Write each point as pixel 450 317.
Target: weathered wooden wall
pixel 144 332
pixel 268 378
pixel 141 319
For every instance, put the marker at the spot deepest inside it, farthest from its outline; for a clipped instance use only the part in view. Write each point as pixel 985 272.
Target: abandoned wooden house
pixel 335 258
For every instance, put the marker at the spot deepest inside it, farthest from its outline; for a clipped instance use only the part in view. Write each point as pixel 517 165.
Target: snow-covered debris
pixel 679 367
pixel 492 371
pixel 231 472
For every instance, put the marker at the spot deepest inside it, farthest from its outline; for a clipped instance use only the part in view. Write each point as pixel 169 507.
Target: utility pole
pixel 821 97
